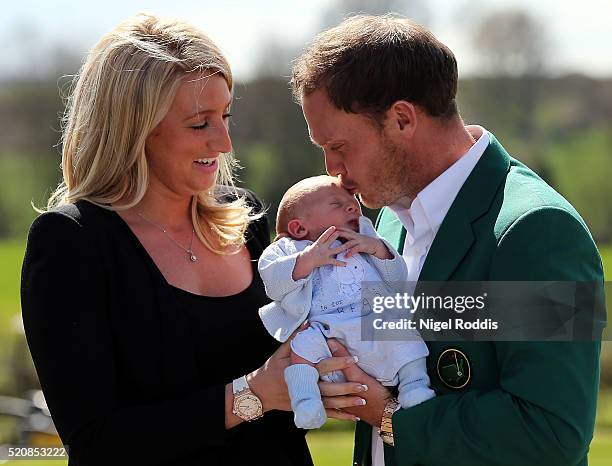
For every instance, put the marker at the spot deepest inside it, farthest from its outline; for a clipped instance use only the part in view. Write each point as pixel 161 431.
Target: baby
pixel 310 274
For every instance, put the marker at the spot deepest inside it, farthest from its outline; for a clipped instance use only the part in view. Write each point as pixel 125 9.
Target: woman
pixel 139 286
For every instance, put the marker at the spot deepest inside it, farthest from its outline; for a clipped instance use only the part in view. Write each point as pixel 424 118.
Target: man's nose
pixel 333 165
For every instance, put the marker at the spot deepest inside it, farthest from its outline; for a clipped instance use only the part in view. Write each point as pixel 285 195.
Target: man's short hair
pixel 367 63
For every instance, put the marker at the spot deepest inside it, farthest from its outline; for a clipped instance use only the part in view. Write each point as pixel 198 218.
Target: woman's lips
pixel 207 168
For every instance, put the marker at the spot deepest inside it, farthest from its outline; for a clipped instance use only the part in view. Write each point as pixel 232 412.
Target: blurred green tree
pixel 581 165
pixel 513 48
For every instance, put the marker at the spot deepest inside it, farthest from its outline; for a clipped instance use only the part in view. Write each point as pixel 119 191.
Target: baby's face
pixel 331 205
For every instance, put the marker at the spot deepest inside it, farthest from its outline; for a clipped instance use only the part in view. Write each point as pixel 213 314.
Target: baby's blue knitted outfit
pixel 331 299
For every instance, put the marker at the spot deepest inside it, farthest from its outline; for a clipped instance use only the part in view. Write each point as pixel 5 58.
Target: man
pixel 378 94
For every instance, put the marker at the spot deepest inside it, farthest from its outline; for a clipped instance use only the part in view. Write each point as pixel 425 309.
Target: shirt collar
pixel 428 209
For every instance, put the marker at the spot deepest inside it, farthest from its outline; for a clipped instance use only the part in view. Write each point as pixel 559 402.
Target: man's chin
pixel 369 202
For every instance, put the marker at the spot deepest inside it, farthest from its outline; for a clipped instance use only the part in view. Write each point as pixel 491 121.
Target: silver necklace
pixel 189 251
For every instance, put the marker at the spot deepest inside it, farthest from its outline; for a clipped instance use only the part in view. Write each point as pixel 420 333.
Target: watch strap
pixel 386 425
pixel 241 390
pixel 240 384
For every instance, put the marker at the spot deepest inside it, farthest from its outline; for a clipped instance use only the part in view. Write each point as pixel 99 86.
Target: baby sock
pixel 306 403
pixel 414 384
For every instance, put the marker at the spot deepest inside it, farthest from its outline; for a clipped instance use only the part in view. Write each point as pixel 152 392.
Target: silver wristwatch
pixel 247 405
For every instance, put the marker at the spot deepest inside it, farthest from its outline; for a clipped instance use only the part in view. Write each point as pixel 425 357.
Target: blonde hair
pixel 293 203
pixel 122 92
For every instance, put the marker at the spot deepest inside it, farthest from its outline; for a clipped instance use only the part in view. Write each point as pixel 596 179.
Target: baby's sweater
pixel 330 293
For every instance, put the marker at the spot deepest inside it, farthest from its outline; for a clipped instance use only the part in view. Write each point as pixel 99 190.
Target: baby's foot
pixel 309 414
pixel 302 382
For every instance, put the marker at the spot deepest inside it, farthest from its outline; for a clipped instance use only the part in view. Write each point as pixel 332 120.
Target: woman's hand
pixel 339 398
pixel 340 395
pixel 268 382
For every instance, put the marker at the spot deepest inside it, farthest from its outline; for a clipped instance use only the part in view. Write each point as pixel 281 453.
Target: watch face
pixel 248 406
pixel 387 438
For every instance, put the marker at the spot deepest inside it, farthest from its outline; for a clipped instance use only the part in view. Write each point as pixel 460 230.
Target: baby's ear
pixel 297 229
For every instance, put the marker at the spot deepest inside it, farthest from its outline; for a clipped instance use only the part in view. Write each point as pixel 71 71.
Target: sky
pixel 579 31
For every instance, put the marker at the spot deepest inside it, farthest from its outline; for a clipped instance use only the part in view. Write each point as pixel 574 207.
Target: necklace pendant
pixel 193 257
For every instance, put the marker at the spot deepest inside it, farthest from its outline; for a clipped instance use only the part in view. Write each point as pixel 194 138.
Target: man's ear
pixel 296 229
pixel 402 117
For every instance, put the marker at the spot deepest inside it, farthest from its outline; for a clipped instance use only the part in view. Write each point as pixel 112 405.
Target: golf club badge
pixel 454 368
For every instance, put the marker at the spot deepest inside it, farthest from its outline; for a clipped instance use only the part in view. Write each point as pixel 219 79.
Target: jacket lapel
pixel 456 236
pixel 451 244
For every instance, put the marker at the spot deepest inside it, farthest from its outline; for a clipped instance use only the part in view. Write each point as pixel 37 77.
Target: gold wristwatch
pixel 386 425
pixel 247 405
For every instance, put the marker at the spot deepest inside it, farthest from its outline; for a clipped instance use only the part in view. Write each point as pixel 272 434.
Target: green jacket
pixel 526 403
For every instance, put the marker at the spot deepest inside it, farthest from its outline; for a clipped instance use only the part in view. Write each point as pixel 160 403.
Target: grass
pixel 330 446
pixel 334 448
pixel 600 453
pixel 606 257
pixel 11 257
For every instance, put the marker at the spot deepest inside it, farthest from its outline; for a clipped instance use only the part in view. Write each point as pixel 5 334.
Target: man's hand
pixel 361 243
pixel 318 253
pixel 335 395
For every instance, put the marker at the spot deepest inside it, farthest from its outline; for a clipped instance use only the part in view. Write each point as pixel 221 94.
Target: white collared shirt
pixel 422 219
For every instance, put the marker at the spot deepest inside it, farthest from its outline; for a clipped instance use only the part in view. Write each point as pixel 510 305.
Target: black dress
pixel 134 369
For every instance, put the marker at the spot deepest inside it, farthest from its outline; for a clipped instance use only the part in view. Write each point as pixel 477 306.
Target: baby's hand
pixel 319 253
pixel 361 243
